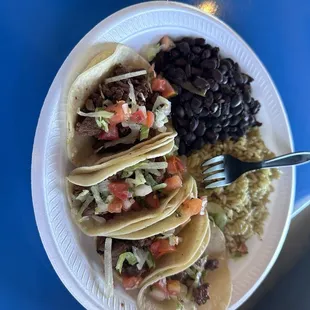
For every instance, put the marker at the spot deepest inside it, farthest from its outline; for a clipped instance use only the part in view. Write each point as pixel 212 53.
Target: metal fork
pixel 224 169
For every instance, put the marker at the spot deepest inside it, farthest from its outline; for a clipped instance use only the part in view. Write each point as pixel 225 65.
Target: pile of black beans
pixel 226 111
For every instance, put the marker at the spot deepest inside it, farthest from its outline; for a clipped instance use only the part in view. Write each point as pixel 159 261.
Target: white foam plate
pixel 72 254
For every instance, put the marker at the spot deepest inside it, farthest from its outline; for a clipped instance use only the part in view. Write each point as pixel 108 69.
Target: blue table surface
pixel 36 37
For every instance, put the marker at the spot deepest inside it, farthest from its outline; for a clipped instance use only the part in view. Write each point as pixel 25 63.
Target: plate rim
pixel 37 170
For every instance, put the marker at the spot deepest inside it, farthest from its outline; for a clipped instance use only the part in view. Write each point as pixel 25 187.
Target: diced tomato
pixel 152 201
pixel 136 206
pixel 158 84
pixel 169 91
pixel 119 115
pixel 161 247
pixel 149 121
pixel 174 287
pixel 175 165
pixel 243 249
pixel 112 134
pixel 192 206
pixel 173 183
pixel 119 189
pixel 131 282
pixel 138 117
pixel 115 206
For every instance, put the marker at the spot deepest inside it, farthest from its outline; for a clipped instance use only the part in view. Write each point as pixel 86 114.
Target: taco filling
pixel 132 189
pixel 125 108
pixel 133 260
pixel 189 287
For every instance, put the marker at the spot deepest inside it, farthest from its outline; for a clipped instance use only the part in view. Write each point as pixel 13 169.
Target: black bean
pixel 196 60
pixel 214 108
pixel 221 101
pixel 189 40
pixel 223 136
pixel 232 129
pixel 227 63
pixel 206 54
pixel 245 78
pixel 236 100
pixel 240 132
pixel 215 51
pixel 182 148
pixel 238 77
pixel 209 64
pixel 225 79
pixel 189 138
pixel 198 144
pixel 188 110
pixel 211 82
pixel 211 136
pixel 196 71
pixel 217 75
pixel 182 132
pixel 180 73
pixel 250 79
pixel 171 72
pixel 257 123
pixel 200 41
pixel 187 95
pixel 226 89
pixel 237 110
pixel 200 130
pixel 234 120
pixel 196 49
pixel 232 82
pixel 243 123
pixel 197 110
pixel 174 53
pixel 215 87
pixel 247 96
pixel 217 96
pixel 218 112
pixel 193 124
pixel 226 123
pixel 256 107
pixel 205 112
pixel 188 70
pixel 179 111
pixel 229 115
pixel 182 122
pixel 223 69
pixel 226 108
pixel 183 47
pixel 201 83
pixel 208 99
pixel 180 62
pixel 251 120
pixel 196 102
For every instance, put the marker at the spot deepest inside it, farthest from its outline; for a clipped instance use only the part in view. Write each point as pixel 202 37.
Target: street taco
pixel 135 262
pixel 106 201
pixel 203 283
pixel 111 107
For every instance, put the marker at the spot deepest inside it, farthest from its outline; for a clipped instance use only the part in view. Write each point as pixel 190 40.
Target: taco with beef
pixel 113 106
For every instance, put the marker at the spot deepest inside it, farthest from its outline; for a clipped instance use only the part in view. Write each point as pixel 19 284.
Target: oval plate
pixel 72 254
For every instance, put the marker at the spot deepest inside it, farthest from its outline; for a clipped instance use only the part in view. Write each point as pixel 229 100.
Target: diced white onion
pixel 142 190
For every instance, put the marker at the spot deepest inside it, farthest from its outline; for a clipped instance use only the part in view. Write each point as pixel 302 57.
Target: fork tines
pixel 215 174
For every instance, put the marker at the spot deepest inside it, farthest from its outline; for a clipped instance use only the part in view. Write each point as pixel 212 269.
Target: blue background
pixel 36 37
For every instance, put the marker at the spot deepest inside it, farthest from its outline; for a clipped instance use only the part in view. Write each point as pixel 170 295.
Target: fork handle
pixel 291 159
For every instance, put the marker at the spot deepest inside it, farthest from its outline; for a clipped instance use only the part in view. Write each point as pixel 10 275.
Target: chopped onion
pixel 83 195
pixel 174 240
pixel 124 76
pixel 204 205
pixel 157 294
pixel 141 256
pixel 100 203
pixel 142 190
pixel 104 114
pixel 108 269
pixel 126 111
pixel 162 129
pixel 143 110
pixel 85 204
pixel 127 204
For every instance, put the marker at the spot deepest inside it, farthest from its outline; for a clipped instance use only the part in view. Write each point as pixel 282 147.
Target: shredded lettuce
pixel 159 187
pixel 125 76
pixel 103 207
pixel 85 204
pixel 131 138
pixel 144 132
pixel 129 256
pixel 141 256
pixel 148 165
pixel 150 260
pixel 102 123
pixel 103 187
pixel 138 180
pixel 142 190
pixel 192 89
pixel 83 195
pixel 180 306
pixel 98 113
pixel 191 273
pixel 150 180
pixel 154 172
pixel 100 203
pixel 152 50
pixel 162 103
